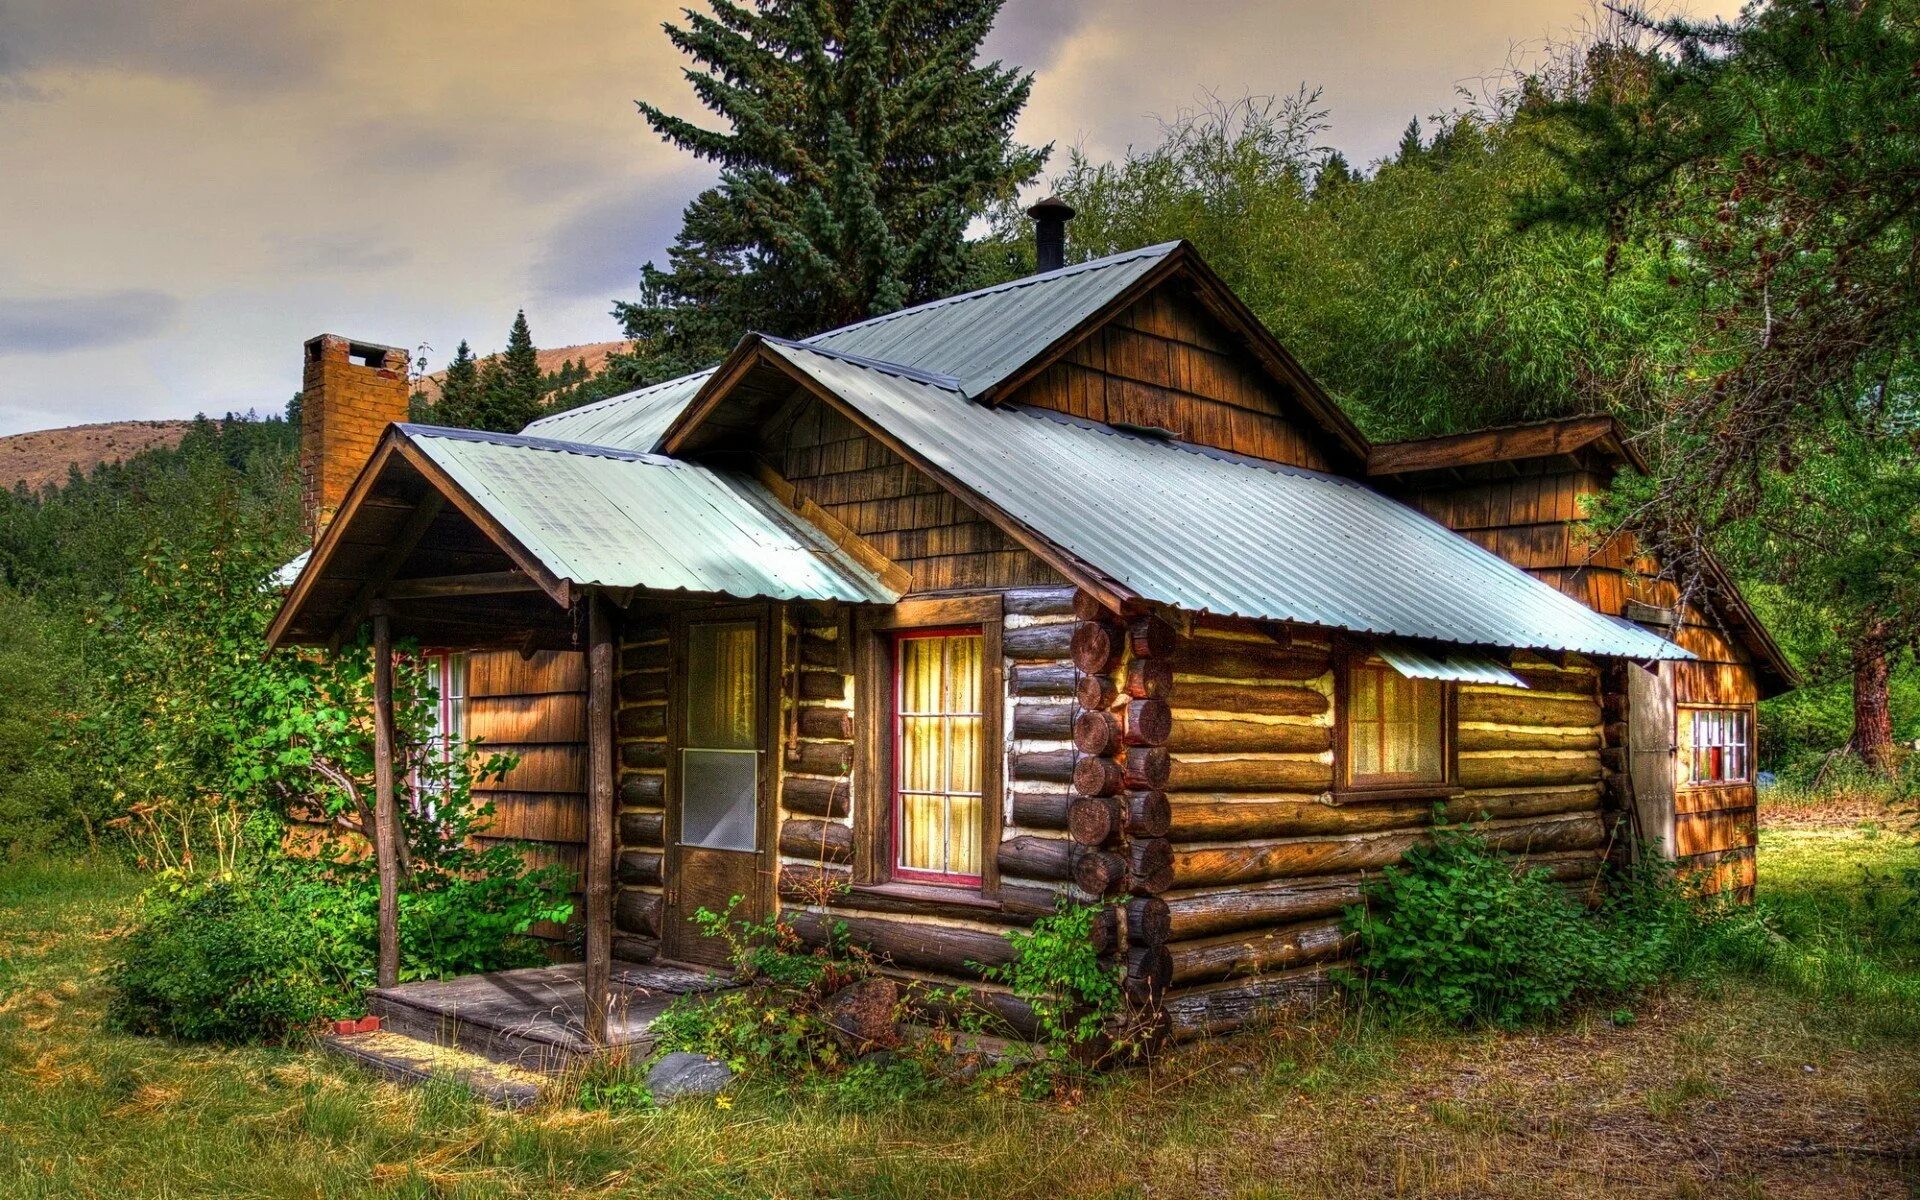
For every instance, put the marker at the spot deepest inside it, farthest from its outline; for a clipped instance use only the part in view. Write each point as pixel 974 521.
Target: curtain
pixel 939 752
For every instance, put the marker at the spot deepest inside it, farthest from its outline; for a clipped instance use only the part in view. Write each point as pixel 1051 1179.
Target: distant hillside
pixel 596 354
pixel 43 456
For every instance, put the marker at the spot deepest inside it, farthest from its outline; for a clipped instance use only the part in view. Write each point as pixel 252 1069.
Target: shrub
pixel 1057 971
pixel 1459 933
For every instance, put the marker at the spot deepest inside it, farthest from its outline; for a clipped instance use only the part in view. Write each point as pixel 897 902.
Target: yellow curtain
pixel 720 686
pixel 940 748
pixel 1395 726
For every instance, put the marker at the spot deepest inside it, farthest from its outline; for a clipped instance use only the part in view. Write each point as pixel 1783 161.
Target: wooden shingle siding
pixel 1165 363
pixel 899 511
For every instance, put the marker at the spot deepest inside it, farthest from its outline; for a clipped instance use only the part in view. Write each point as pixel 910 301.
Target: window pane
pixel 1395 728
pixel 720 686
pixel 939 748
pixel 719 794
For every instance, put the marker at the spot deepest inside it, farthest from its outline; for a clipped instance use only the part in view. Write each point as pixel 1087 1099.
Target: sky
pixel 190 190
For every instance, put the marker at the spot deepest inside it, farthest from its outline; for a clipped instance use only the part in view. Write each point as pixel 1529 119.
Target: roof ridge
pixel 522 441
pixel 910 374
pixel 622 397
pixel 1092 264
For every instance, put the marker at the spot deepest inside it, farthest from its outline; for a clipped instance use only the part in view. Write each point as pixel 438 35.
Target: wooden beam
pixel 485 583
pixel 598 870
pixel 397 551
pixel 386 812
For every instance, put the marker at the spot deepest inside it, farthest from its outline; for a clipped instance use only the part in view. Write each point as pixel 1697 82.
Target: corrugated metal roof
pixel 633 421
pixel 1454 666
pixel 619 519
pixel 1213 532
pixel 977 339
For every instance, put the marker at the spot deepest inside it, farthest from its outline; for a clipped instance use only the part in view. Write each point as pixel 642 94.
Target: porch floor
pixel 534 1018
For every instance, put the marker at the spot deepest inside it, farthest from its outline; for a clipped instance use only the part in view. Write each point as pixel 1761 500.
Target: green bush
pixel 1459 933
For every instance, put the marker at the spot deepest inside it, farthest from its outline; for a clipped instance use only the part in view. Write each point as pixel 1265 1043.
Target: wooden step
pixel 409 1060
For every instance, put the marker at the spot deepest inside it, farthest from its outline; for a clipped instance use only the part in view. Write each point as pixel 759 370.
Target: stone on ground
pixel 683 1075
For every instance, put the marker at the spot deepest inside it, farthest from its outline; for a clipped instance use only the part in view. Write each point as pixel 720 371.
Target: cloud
pixel 334 253
pixel 240 44
pixel 1030 33
pixel 598 249
pixel 57 324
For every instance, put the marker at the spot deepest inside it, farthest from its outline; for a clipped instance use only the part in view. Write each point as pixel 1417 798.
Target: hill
pixel 595 354
pixel 43 456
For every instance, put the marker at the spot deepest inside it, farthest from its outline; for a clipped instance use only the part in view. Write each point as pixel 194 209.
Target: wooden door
pixel 1651 733
pixel 719 826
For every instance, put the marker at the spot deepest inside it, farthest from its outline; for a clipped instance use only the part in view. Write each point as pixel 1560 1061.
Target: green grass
pixel 1777 1079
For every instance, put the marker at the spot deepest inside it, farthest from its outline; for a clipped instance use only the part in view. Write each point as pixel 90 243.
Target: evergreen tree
pixel 1334 174
pixel 861 139
pixel 459 403
pixel 1409 150
pixel 508 388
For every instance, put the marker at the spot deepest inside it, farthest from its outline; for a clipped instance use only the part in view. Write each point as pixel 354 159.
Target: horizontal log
pixel 649 656
pixel 1149 679
pixel 1195 735
pixel 1038 680
pixel 1043 722
pixel 1145 723
pixel 1094 820
pixel 1149 921
pixel 643 756
pixel 642 791
pixel 643 830
pixel 1218 866
pixel 1038 602
pixel 1258 951
pixel 1151 637
pixel 1096 733
pixel 1038 809
pixel 1042 766
pixel 1216 658
pixel 1146 813
pixel 1471 738
pixel 1036 858
pixel 1149 866
pixel 1250 774
pixel 1089 607
pixel 1210 913
pixel 1098 872
pixel 1149 970
pixel 1261 700
pixel 816 797
pixel 820 758
pixel 820 841
pixel 818 721
pixel 1497 806
pixel 1518 770
pixel 637 912
pixel 1001 1012
pixel 1097 646
pixel 1218 817
pixel 1548 679
pixel 1222 1008
pixel 632 948
pixel 824 652
pixel 1508 707
pixel 1018 905
pixel 1095 692
pixel 1038 643
pixel 639 868
pixel 1146 768
pixel 643 685
pixel 1097 777
pixel 822 685
pixel 642 721
pixel 917 945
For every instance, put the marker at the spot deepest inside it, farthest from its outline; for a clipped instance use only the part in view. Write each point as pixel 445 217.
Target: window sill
pixel 1419 791
pixel 932 893
pixel 1710 785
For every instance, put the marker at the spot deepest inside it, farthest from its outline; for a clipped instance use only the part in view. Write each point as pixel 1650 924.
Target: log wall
pixel 640 738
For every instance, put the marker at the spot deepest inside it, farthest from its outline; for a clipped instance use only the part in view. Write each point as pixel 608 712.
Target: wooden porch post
pixel 599 864
pixel 386 814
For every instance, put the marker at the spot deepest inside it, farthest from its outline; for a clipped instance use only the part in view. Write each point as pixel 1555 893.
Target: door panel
pixel 1651 734
pixel 718 824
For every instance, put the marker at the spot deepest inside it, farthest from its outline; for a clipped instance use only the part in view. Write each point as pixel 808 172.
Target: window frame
pixel 896 794
pixel 1683 751
pixel 1447 786
pixel 875 822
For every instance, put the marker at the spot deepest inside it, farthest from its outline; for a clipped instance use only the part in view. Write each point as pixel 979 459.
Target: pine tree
pixel 519 400
pixel 1409 150
pixel 861 140
pixel 1334 174
pixel 459 403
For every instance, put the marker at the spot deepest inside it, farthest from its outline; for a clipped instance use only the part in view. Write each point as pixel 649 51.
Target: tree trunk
pixel 386 812
pixel 1872 719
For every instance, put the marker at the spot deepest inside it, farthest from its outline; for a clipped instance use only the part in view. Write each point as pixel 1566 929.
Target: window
pixel 720 763
pixel 1719 744
pixel 1396 728
pixel 449 676
pixel 939 755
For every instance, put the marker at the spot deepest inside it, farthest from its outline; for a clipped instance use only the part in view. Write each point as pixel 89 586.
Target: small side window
pixel 1396 728
pixel 1719 746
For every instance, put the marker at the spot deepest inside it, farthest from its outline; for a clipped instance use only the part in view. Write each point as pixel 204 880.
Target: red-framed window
pixel 939 755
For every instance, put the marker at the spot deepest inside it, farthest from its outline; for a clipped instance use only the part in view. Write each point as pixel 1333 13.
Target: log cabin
pixel 1077 586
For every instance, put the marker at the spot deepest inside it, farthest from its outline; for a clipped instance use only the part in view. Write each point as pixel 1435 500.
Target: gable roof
pixel 1204 530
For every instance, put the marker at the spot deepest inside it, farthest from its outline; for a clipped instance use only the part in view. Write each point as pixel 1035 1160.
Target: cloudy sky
pixel 190 189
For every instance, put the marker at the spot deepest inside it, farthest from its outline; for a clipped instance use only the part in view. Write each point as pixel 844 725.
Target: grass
pixel 1796 1075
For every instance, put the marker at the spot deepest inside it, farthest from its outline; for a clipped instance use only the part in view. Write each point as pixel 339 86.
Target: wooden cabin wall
pixel 897 509
pixel 1527 519
pixel 1239 857
pixel 534 708
pixel 927 940
pixel 1165 362
pixel 640 735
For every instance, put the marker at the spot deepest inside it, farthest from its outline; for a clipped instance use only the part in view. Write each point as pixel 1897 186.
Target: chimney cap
pixel 1052 208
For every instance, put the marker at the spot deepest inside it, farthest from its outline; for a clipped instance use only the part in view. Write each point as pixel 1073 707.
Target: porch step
pixel 533 1019
pixel 411 1061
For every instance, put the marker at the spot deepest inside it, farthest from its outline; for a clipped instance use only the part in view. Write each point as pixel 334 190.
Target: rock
pixel 861 1015
pixel 683 1076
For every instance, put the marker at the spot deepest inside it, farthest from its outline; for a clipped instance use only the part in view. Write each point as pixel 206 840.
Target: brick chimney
pixel 349 392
